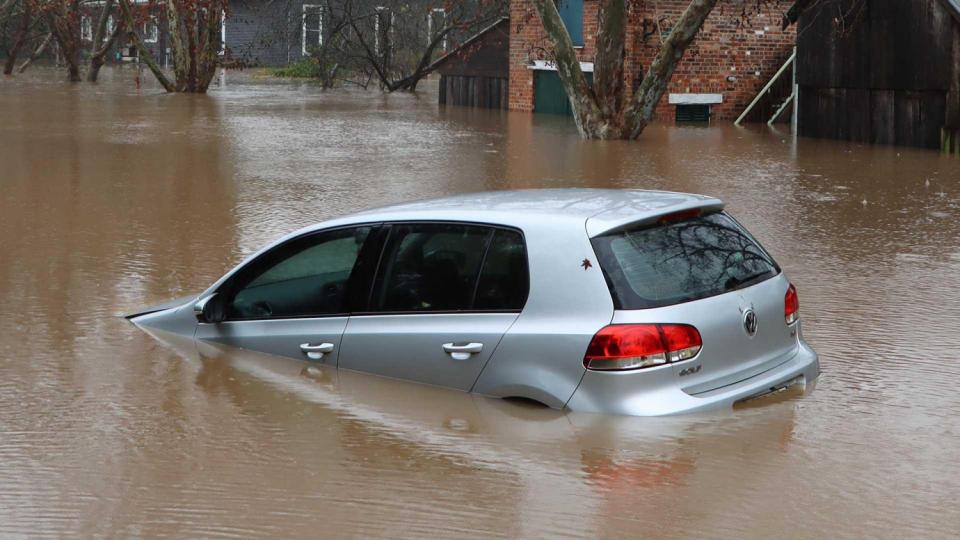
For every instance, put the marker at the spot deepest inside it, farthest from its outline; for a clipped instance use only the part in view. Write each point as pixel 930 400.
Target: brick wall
pixel 748 51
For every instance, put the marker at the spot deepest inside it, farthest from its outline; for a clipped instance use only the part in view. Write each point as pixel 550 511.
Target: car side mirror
pixel 209 309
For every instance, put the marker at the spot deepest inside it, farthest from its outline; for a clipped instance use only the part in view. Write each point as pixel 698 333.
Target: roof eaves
pixel 436 63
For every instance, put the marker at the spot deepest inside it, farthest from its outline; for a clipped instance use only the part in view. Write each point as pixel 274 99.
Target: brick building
pixel 721 72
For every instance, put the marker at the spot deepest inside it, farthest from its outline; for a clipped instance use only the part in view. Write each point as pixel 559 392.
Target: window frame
pixel 387 230
pixel 430 35
pixel 370 249
pixel 377 46
pixel 303 27
pixel 86 28
pixel 151 30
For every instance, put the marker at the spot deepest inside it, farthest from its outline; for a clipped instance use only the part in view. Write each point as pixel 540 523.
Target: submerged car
pixel 615 301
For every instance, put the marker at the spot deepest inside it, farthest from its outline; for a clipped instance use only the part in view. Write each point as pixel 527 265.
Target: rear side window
pixel 429 267
pixel 675 262
pixel 504 281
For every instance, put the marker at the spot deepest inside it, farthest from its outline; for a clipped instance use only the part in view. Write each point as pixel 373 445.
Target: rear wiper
pixel 735 282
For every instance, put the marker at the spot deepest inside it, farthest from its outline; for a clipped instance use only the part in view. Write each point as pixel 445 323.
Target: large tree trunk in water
pixel 142 50
pixel 598 110
pixel 19 40
pixel 654 84
pixel 608 83
pixel 586 114
pixel 36 52
pixel 64 24
pixel 101 47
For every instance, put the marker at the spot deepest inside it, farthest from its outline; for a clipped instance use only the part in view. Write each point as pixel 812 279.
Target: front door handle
pixel 462 352
pixel 316 351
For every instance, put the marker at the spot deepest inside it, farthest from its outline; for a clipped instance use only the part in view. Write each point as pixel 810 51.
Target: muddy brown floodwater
pixel 111 200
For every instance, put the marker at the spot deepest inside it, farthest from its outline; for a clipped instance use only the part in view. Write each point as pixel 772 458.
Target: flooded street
pixel 113 200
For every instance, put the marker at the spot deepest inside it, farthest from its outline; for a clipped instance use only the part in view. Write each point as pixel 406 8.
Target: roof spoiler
pixel 621 218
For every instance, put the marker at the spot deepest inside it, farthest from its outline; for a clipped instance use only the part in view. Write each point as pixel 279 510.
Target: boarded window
pixel 693 113
pixel 571 12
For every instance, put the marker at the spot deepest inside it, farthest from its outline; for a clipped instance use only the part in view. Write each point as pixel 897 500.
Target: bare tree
pixel 44 43
pixel 102 43
pixel 601 110
pixel 399 40
pixel 22 31
pixel 193 29
pixel 63 20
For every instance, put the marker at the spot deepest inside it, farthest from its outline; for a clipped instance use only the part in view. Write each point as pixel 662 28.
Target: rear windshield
pixel 675 262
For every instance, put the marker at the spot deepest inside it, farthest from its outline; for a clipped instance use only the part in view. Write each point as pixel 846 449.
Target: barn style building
pixel 879 71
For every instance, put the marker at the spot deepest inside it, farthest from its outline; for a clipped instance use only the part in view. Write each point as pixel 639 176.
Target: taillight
pixel 791 305
pixel 621 347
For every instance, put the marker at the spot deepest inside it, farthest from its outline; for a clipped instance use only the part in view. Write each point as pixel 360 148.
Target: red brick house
pixel 724 69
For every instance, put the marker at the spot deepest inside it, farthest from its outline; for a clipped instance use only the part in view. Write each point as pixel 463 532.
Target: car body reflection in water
pixel 614 465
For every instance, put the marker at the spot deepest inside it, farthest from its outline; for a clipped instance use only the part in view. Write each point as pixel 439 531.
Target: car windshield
pixel 679 261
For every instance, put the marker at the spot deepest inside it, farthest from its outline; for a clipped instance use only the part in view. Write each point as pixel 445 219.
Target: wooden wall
pixel 476 74
pixel 883 73
pixel 474 91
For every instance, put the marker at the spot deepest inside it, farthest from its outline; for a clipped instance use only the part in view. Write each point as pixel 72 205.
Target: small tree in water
pixel 601 110
pixel 195 40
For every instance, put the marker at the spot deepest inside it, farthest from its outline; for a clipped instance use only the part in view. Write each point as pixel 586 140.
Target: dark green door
pixel 548 94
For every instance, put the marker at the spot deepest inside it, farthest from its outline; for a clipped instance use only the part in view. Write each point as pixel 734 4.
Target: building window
pixel 693 113
pixel 86 28
pixel 151 31
pixel 312 27
pixel 436 22
pixel 571 12
pixel 383 30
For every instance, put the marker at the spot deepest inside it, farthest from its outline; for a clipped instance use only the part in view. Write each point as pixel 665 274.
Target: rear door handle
pixel 316 351
pixel 462 352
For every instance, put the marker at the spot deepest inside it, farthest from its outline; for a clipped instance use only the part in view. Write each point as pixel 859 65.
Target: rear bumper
pixel 656 392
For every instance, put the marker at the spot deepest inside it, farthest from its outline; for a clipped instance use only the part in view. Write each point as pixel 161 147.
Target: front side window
pixel 305 277
pixel 680 261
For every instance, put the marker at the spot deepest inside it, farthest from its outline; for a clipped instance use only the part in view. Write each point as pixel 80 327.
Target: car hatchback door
pixel 294 300
pixel 444 295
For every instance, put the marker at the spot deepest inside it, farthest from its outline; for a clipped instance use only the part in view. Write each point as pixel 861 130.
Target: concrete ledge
pixel 543 65
pixel 695 99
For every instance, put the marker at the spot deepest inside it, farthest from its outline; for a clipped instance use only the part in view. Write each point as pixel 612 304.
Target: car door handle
pixel 316 351
pixel 462 352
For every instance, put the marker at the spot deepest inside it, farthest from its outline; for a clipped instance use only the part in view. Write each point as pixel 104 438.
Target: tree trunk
pixel 101 48
pixel 142 50
pixel 36 52
pixel 608 83
pixel 655 83
pixel 18 40
pixel 598 110
pixel 64 24
pixel 586 114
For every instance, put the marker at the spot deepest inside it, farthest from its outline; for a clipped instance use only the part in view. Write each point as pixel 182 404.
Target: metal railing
pixel 766 89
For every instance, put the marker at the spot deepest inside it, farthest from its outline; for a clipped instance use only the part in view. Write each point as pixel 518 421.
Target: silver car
pixel 613 301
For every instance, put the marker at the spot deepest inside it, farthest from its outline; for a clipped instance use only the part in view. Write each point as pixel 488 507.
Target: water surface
pixel 114 198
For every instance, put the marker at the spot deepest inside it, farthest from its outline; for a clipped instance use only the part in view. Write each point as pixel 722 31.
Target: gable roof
pixel 473 39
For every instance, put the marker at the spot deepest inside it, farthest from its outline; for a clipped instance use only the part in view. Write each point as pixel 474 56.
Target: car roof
pixel 600 209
